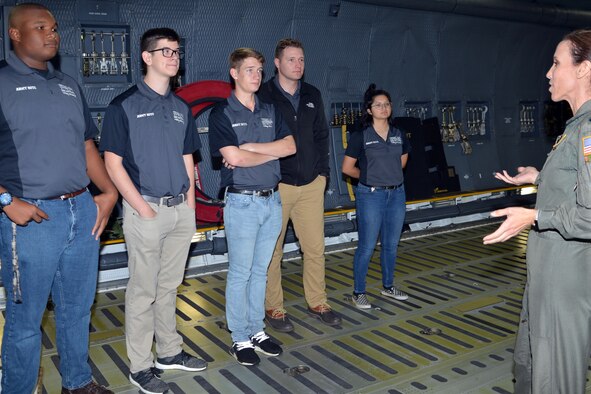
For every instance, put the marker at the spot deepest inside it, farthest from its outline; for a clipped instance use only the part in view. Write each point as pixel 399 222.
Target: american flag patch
pixel 587 148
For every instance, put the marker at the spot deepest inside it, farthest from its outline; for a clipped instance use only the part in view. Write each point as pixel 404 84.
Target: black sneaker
pixel 148 381
pixel 262 343
pixel 183 361
pixel 244 353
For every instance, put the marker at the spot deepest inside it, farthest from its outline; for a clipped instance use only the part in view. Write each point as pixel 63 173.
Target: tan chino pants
pixel 157 254
pixel 304 205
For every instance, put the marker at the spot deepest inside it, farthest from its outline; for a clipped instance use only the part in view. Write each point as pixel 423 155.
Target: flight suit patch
pixel 559 140
pixel 587 149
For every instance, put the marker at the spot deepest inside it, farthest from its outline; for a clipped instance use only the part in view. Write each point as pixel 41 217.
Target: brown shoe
pixel 278 320
pixel 90 388
pixel 325 314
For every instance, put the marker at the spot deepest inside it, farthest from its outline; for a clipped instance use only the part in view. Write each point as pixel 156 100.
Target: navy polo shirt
pixel 151 132
pixel 232 124
pixel 295 99
pixel 44 123
pixel 378 160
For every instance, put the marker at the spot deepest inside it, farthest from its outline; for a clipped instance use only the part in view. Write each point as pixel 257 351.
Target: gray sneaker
pixel 395 293
pixel 183 361
pixel 148 381
pixel 361 301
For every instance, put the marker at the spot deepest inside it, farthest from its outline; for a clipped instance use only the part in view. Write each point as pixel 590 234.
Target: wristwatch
pixel 5 199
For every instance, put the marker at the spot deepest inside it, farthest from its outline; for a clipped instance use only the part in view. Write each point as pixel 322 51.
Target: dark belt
pixel 374 188
pixel 68 195
pixel 168 201
pixel 256 193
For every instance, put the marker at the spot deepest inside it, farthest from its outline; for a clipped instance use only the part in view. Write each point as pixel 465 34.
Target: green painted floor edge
pixel 470 292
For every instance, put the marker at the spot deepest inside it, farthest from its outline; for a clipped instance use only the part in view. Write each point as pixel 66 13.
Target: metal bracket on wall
pixel 418 109
pixel 451 125
pixel 104 57
pixel 529 123
pixel 477 120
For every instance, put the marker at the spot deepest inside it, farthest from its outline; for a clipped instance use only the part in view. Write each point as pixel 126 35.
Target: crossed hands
pixel 228 165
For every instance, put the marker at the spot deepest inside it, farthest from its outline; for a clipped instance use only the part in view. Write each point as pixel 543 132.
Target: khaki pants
pixel 157 251
pixel 304 205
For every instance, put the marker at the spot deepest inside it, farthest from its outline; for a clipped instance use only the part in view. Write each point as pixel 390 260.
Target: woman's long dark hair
pixel 368 97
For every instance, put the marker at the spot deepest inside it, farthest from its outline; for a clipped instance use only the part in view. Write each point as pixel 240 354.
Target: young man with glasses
pixel 250 136
pixel 303 181
pixel 149 138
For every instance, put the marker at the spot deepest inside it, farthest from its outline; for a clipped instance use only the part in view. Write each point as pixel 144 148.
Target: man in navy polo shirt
pixel 149 137
pixel 250 136
pixel 49 222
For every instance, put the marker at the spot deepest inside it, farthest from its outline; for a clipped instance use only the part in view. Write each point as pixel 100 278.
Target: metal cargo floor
pixel 470 292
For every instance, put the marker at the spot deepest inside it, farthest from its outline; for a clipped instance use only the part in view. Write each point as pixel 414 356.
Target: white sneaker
pixel 395 293
pixel 361 301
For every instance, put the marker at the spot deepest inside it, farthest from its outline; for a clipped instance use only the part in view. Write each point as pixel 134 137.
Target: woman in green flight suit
pixel 554 339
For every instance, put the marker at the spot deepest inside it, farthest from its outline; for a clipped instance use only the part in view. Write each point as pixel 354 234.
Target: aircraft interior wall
pixel 430 61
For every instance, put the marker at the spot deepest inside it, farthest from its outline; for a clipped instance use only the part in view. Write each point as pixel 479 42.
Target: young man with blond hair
pixel 250 136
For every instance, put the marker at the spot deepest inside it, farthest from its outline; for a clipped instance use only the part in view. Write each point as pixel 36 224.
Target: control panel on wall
pixel 104 54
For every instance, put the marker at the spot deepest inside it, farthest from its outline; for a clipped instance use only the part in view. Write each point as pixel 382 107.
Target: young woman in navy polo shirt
pixel 376 156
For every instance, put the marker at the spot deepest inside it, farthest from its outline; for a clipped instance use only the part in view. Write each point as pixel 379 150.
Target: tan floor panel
pixel 469 292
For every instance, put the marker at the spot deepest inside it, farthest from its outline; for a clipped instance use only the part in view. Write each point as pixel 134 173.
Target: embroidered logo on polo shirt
pixel 267 122
pixel 68 91
pixel 396 140
pixel 241 124
pixel 22 88
pixel 178 117
pixel 310 105
pixel 144 115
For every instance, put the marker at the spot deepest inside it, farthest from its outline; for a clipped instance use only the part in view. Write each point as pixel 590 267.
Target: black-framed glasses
pixel 169 52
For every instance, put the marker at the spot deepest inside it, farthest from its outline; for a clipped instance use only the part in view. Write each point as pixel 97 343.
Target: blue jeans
pixel 252 227
pixel 378 212
pixel 57 256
